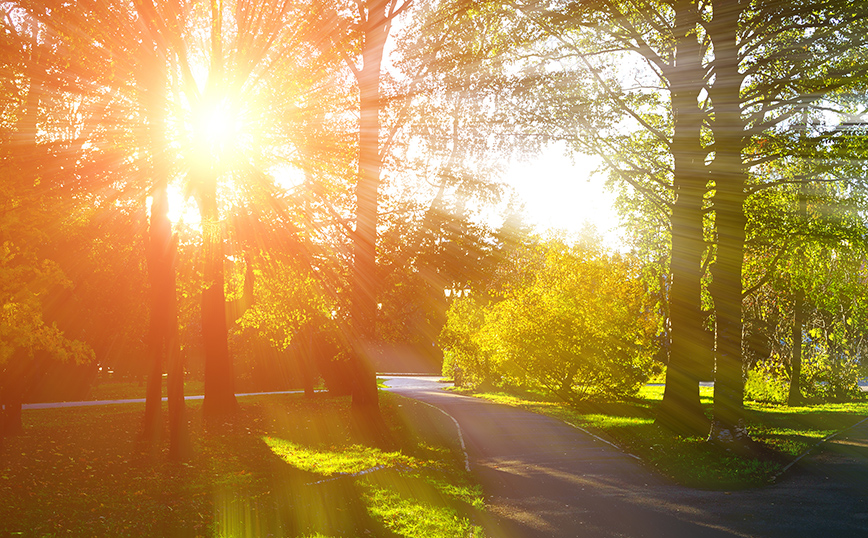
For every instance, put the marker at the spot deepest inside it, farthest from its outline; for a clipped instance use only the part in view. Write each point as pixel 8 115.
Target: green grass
pixel 284 466
pixel 782 433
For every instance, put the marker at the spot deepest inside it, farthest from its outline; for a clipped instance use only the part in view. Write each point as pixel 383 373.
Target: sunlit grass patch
pixel 464 492
pixel 347 460
pixel 414 518
pixel 518 400
pixel 608 422
pixel 790 441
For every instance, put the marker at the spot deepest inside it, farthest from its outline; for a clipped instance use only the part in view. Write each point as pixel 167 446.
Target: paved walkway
pixel 544 478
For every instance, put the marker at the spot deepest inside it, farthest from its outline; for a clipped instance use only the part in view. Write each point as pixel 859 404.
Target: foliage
pixel 461 349
pixel 830 274
pixel 22 325
pixel 767 382
pixel 574 320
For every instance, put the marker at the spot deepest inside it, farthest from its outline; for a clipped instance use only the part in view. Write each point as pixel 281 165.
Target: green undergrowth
pixel 284 466
pixel 781 434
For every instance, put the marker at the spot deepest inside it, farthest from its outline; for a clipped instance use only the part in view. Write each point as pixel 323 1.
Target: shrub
pixel 767 382
pixel 575 321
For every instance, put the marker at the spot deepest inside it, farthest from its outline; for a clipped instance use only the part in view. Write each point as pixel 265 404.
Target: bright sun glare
pixel 212 135
pixel 560 193
pixel 216 129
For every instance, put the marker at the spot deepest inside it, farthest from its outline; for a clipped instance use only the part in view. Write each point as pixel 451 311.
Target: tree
pixel 749 60
pixel 30 196
pixel 362 36
pixel 750 96
pixel 223 145
pixel 646 121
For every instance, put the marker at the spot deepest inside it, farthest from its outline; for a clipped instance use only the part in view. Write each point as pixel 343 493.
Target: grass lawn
pixel 785 432
pixel 285 466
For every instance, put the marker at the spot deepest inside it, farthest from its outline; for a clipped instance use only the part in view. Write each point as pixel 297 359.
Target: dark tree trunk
pixel 159 270
pixel 162 250
pixel 680 409
pixel 152 427
pixel 364 304
pixel 179 441
pixel 219 375
pixel 795 397
pixel 730 179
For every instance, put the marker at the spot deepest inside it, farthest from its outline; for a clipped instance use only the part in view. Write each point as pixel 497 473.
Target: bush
pixel 574 321
pixel 767 382
pixel 462 351
pixel 831 378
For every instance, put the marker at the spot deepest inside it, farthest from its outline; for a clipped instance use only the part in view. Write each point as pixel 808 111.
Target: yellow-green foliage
pixel 24 281
pixel 573 319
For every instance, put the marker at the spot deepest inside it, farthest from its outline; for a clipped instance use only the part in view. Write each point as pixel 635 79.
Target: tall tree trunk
pixel 680 409
pixel 162 250
pixel 152 83
pixel 795 397
pixel 364 303
pixel 219 375
pixel 730 179
pixel 159 271
pixel 179 443
pixel 179 440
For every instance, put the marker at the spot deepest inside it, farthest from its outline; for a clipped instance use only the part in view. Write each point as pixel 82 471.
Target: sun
pixel 217 131
pixel 214 136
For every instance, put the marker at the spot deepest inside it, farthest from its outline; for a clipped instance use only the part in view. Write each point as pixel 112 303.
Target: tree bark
pixel 219 375
pixel 162 251
pixel 795 397
pixel 179 439
pixel 159 273
pixel 730 177
pixel 364 304
pixel 680 409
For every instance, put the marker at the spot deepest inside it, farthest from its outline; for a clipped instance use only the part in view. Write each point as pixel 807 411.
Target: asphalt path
pixel 544 478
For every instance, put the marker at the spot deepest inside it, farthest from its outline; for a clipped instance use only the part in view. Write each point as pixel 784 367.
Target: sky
pixel 562 193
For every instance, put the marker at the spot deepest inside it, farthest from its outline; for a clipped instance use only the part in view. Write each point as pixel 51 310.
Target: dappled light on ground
pixel 275 469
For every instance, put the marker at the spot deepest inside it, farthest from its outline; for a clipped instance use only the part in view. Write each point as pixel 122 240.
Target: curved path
pixel 544 478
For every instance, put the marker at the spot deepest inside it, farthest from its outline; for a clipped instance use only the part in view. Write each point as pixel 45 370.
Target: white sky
pixel 561 193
